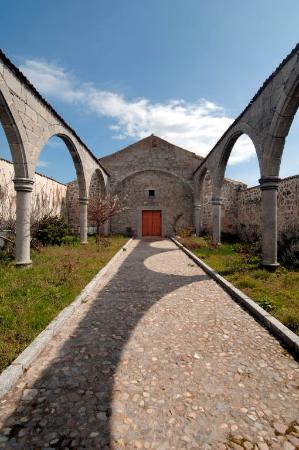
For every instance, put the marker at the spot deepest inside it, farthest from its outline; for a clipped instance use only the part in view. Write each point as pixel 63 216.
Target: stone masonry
pixel 48 196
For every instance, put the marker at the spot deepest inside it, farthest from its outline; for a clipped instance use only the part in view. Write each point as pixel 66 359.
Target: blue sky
pixel 119 70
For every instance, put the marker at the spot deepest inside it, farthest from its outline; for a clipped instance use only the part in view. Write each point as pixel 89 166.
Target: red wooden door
pixel 151 223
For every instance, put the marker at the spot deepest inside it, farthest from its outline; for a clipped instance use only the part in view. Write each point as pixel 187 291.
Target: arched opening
pixel 11 142
pixel 58 168
pixel 13 164
pixel 7 192
pixel 288 189
pixel 237 186
pixel 97 203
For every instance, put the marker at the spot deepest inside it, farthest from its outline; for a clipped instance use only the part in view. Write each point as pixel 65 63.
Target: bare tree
pixel 101 209
pixel 7 214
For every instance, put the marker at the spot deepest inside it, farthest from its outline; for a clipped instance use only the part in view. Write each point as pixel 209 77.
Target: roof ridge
pixel 151 136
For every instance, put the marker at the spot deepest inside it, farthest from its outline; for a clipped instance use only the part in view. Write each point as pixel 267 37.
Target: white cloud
pixel 195 126
pixel 41 163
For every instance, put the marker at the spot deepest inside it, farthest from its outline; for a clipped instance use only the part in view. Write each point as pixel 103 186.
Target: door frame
pixel 139 220
pixel 158 214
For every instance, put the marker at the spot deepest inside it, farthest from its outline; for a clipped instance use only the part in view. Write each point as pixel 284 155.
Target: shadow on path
pixel 72 406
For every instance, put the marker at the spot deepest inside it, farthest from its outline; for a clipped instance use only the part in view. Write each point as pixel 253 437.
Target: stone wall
pixel 48 197
pixel 172 196
pixel 249 206
pixel 152 164
pixel 241 208
pixel 229 208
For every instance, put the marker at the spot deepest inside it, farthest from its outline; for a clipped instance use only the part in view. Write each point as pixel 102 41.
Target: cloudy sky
pixel 120 70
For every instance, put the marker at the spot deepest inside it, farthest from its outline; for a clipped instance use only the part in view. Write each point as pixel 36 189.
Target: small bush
pixel 288 248
pixel 130 232
pixel 186 232
pixel 266 305
pixel 51 230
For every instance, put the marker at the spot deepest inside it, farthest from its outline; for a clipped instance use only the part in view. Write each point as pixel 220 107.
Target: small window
pixel 151 193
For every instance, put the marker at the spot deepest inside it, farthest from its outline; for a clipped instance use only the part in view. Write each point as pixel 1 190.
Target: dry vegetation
pixel 31 298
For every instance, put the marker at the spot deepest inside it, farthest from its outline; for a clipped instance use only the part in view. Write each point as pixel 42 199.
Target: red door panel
pixel 151 223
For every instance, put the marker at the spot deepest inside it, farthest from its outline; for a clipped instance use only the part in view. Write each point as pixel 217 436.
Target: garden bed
pixel 31 298
pixel 277 292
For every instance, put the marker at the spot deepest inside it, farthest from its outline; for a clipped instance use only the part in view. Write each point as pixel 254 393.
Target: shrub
pixel 186 232
pixel 266 305
pixel 50 230
pixel 70 240
pixel 288 248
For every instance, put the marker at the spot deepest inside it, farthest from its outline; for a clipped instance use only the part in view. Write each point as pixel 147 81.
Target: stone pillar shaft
pixel 197 218
pixel 269 188
pixel 216 220
pixel 83 220
pixel 106 228
pixel 23 188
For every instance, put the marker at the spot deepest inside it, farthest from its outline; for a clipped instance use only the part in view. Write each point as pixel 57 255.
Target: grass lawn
pixel 277 292
pixel 31 298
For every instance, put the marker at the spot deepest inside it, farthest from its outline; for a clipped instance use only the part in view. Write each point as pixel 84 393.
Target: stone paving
pixel 159 358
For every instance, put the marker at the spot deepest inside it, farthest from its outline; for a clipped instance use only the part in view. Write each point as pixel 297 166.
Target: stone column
pixel 197 218
pixel 83 219
pixel 216 220
pixel 23 188
pixel 106 228
pixel 269 188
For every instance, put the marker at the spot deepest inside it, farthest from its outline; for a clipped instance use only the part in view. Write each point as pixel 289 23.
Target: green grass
pixel 31 298
pixel 277 292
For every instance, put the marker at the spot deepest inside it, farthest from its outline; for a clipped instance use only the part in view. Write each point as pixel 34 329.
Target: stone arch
pixel 154 169
pixel 286 110
pixel 198 181
pixel 97 185
pixel 14 131
pixel 74 152
pixel 218 171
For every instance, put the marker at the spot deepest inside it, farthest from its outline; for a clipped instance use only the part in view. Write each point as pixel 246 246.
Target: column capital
pixel 269 183
pixel 83 200
pixel 216 201
pixel 23 184
pixel 197 206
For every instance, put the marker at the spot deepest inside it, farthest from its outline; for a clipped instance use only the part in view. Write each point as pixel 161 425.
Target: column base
pixel 84 243
pixel 270 267
pixel 23 265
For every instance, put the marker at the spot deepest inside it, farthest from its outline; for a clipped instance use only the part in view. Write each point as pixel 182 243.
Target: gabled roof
pixel 151 137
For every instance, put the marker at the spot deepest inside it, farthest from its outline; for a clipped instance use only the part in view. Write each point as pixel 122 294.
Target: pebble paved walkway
pixel 160 358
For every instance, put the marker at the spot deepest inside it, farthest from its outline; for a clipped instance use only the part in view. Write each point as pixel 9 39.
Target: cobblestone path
pixel 160 357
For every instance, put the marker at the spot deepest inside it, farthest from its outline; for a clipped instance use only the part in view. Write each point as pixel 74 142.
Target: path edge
pixel 289 339
pixel 10 375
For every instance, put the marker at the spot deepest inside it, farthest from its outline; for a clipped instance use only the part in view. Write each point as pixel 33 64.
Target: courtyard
pixel 160 357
